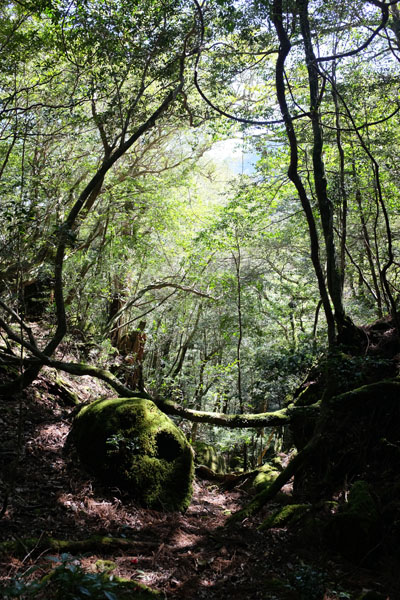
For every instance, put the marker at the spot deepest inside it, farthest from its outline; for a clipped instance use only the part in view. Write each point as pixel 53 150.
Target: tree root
pixel 383 390
pixel 97 543
pixel 275 487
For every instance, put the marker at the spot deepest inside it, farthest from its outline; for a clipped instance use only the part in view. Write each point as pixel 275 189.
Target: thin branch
pixel 158 285
pixel 210 103
pixel 20 321
pixel 385 16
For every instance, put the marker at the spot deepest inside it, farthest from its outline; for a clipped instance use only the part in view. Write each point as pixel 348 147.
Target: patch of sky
pixel 233 153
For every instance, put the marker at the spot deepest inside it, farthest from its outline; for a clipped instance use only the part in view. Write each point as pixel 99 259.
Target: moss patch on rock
pixel 266 475
pixel 207 455
pixel 130 443
pixel 356 530
pixel 288 514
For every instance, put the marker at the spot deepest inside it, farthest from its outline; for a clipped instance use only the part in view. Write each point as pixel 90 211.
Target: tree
pixel 294 32
pixel 129 97
pixel 126 84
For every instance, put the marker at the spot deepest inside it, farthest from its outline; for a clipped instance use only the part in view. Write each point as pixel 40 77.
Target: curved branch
pixel 158 285
pixel 364 125
pixel 232 421
pixel 278 418
pixel 385 16
pixel 241 119
pixel 245 421
pixel 210 103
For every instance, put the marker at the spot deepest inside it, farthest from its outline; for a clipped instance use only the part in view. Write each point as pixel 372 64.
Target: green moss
pixel 205 454
pixel 309 395
pixel 267 474
pixel 276 462
pixel 356 529
pixel 105 566
pixel 130 443
pixel 67 394
pixel 288 514
pixel 129 589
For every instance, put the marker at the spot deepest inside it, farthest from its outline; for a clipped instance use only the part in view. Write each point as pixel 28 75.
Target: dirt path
pixel 189 556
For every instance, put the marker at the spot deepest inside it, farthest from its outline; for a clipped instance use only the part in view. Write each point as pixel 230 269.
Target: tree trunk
pixel 334 278
pixel 293 174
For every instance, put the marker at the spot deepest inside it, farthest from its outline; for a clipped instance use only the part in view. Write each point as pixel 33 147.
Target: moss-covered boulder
pixel 130 443
pixel 356 530
pixel 266 474
pixel 205 454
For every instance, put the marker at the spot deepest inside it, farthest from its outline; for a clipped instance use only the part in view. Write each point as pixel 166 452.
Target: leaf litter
pixel 191 555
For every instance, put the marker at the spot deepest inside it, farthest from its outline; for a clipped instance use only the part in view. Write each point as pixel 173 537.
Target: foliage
pixel 217 266
pixel 69 581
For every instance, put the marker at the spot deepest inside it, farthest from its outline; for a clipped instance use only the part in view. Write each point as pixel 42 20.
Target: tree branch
pixel 158 285
pixel 385 16
pixel 232 421
pixel 245 421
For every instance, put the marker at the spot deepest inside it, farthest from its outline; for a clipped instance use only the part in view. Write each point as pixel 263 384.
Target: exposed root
pixel 96 543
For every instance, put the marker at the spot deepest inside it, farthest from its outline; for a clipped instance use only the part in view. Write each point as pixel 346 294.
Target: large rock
pixel 130 443
pixel 356 530
pixel 205 454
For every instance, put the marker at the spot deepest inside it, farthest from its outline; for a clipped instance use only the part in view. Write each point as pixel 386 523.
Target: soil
pixel 191 555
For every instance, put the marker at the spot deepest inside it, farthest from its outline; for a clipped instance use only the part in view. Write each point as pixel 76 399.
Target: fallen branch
pixel 78 369
pixel 96 543
pixel 268 419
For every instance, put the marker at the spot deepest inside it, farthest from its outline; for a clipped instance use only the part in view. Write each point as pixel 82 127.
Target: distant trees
pixel 102 80
pixel 108 200
pixel 303 57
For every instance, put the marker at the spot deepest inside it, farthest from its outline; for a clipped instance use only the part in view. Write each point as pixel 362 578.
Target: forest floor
pixel 191 555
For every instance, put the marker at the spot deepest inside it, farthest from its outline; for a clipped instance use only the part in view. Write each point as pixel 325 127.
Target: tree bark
pixel 334 278
pixel 293 174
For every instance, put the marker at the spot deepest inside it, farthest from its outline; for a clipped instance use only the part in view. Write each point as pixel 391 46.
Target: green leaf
pixel 110 595
pixel 84 590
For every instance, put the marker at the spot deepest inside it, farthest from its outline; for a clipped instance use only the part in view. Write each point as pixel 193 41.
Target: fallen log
pixel 96 543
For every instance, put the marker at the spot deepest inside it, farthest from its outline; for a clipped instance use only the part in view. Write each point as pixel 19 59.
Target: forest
pixel 200 299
